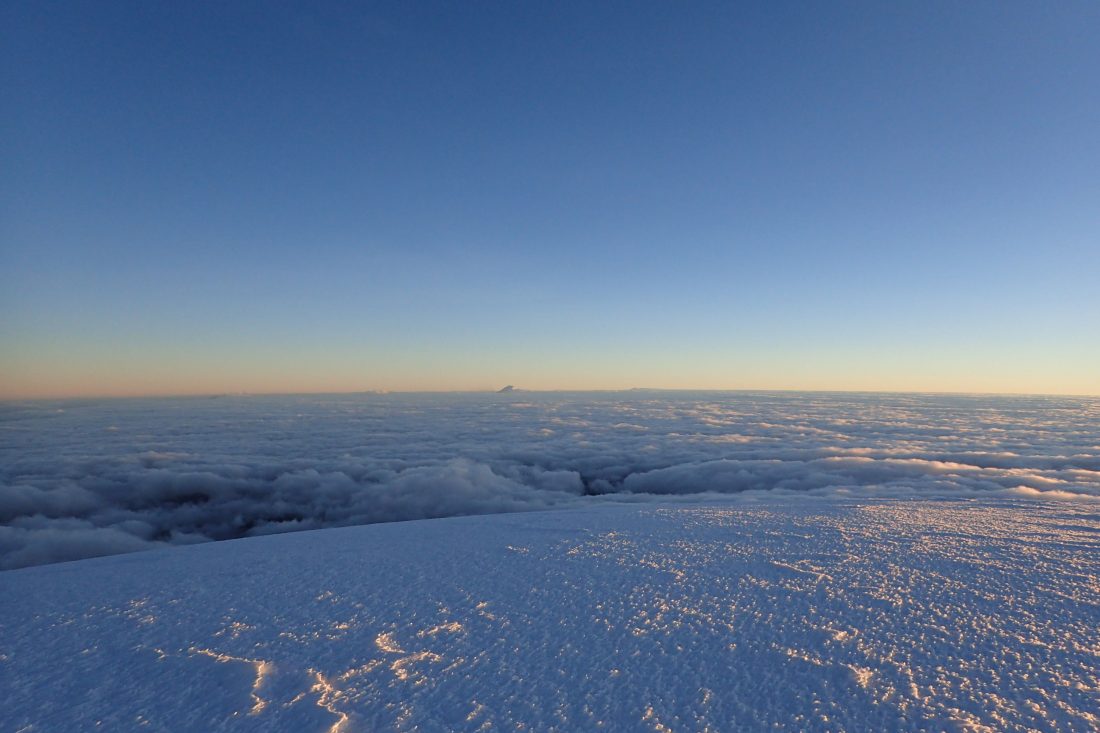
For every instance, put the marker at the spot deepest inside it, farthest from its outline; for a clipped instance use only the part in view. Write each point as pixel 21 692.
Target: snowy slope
pixel 818 614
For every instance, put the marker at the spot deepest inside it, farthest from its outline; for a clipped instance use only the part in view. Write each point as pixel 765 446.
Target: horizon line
pixel 520 390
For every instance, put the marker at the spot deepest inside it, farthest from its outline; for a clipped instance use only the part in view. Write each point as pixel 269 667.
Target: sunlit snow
pixel 825 614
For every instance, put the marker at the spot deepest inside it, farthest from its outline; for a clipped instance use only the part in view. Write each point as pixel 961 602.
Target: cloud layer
pixel 80 479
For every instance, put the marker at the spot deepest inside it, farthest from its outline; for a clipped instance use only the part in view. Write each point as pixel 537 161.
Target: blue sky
pixel 205 197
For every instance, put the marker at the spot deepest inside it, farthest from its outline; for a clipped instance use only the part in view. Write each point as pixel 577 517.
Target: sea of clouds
pixel 86 478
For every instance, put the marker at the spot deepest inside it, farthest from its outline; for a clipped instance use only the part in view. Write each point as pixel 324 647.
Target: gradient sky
pixel 207 197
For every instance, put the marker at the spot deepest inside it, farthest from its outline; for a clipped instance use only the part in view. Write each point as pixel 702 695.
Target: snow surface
pixel 825 613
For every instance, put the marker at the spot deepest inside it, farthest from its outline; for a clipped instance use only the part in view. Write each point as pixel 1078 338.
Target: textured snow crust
pixel 968 614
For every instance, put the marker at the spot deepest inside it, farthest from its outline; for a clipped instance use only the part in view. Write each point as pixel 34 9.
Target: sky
pixel 294 197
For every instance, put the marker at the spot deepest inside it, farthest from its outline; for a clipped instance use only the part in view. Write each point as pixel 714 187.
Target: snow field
pixel 821 614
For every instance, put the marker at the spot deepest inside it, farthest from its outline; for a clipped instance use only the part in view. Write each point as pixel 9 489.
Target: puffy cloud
pixel 89 478
pixel 31 543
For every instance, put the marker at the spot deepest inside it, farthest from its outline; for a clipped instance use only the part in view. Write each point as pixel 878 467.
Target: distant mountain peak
pixel 504 390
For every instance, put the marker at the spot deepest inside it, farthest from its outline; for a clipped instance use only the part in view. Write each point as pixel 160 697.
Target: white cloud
pixel 187 470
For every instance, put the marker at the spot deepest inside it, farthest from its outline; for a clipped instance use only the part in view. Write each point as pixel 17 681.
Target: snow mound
pixel 823 614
